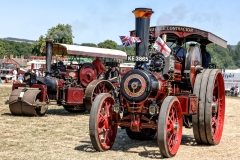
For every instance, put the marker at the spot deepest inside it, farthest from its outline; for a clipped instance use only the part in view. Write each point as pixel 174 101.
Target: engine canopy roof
pixel 190 34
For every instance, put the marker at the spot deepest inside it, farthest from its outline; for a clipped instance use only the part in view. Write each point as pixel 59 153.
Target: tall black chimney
pixel 49 48
pixel 142 25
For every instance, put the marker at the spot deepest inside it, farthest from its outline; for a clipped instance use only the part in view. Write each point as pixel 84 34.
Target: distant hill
pixel 18 39
pixel 23 40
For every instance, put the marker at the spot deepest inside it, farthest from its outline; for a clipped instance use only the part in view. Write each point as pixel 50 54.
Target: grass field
pixel 62 135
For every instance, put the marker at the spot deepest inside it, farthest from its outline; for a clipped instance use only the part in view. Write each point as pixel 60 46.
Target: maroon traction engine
pixel 160 100
pixel 73 88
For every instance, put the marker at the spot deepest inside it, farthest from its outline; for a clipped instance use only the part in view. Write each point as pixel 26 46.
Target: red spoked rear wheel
pixel 102 123
pixel 215 110
pixel 170 124
pixel 208 122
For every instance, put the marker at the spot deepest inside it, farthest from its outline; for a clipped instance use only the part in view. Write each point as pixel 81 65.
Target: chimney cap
pixel 143 12
pixel 143 9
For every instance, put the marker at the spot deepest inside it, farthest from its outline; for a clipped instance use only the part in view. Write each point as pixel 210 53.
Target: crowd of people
pixel 234 90
pixel 15 77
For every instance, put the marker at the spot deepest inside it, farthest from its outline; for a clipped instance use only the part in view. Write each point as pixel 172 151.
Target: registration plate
pixel 137 58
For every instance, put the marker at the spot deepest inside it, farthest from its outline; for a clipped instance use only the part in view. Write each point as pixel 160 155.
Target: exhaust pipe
pixel 49 48
pixel 142 25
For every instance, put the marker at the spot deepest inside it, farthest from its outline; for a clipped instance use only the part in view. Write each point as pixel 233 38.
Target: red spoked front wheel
pixel 102 123
pixel 170 124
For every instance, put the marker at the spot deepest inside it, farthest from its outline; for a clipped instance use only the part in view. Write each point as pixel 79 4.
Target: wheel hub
pixel 214 107
pixel 176 127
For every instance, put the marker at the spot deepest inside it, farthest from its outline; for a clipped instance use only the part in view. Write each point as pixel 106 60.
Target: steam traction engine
pixel 73 88
pixel 161 99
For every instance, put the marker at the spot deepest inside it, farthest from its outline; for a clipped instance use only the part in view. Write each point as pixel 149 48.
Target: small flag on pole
pixel 162 47
pixel 128 40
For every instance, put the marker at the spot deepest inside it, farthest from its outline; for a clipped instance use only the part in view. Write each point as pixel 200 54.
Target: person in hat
pixel 206 57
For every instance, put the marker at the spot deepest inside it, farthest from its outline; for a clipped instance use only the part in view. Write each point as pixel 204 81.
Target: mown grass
pixel 62 135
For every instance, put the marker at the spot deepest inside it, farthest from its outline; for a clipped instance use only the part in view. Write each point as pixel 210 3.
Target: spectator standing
pixel 14 78
pixel 20 78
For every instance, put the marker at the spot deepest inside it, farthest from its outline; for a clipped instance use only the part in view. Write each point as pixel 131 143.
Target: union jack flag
pixel 128 40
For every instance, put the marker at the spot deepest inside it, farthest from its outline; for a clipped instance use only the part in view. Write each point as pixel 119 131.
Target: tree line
pixel 225 58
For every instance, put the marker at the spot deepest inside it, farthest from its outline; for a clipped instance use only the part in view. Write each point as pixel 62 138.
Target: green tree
pixel 2 49
pixel 108 44
pixel 89 44
pixel 35 47
pixel 15 48
pixel 237 55
pixel 221 56
pixel 130 50
pixel 61 34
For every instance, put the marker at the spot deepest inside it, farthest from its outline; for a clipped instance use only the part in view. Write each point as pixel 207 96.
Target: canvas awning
pixel 67 49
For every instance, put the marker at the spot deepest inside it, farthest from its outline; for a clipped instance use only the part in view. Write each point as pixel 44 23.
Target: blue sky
pixel 94 21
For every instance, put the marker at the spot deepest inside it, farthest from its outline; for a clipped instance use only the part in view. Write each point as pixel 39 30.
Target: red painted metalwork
pixel 184 103
pixel 162 91
pixel 124 70
pixel 134 122
pixel 60 83
pixel 188 103
pixel 74 95
pixel 177 71
pixel 193 75
pixel 87 73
